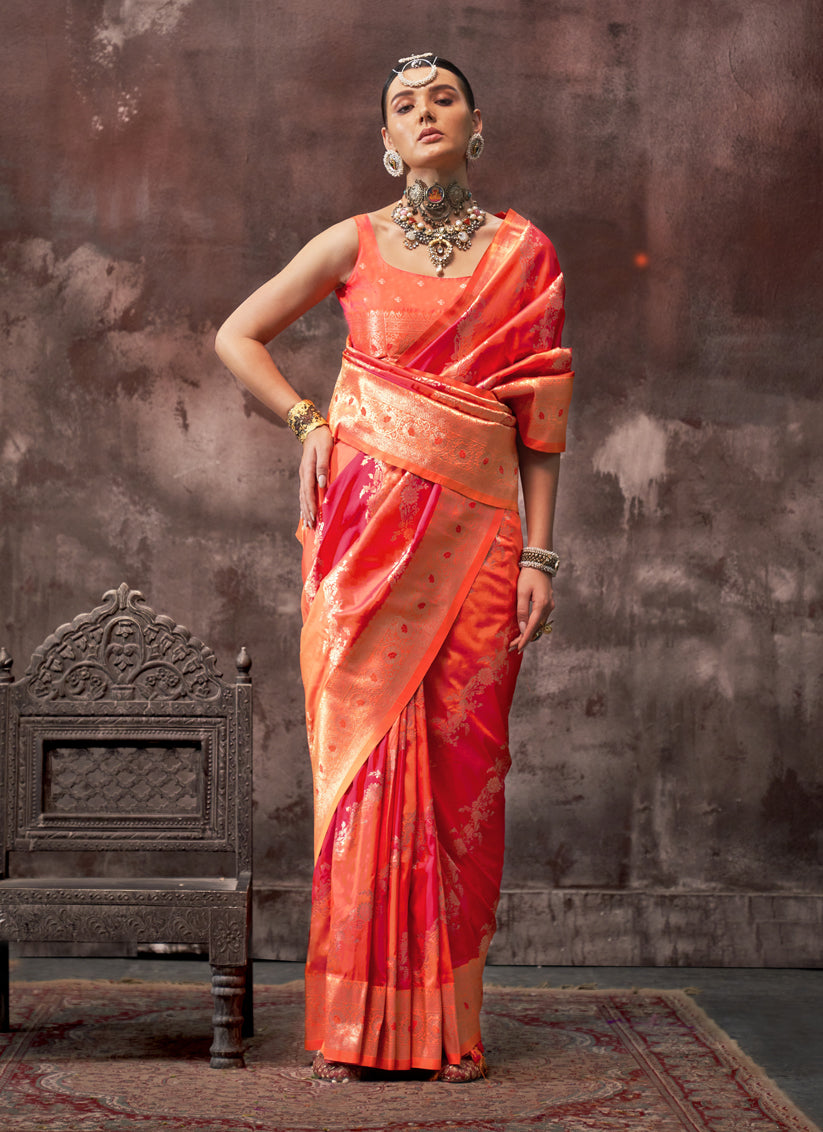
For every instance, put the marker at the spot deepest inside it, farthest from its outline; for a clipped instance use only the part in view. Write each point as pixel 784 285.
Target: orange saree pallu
pixel 409 608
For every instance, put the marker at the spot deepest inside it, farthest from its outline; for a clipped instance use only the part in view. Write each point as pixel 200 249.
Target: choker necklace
pixel 436 206
pixel 436 203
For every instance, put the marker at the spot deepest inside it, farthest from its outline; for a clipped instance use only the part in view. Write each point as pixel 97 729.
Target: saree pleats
pixel 379 985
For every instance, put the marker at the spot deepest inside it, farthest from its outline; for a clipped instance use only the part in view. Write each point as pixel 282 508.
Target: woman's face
pixel 429 126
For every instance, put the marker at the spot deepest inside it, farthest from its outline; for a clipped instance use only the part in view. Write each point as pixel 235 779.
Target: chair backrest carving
pixel 123 736
pixel 123 650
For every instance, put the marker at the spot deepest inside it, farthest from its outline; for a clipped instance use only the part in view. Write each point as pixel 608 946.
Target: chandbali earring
pixel 475 147
pixel 393 162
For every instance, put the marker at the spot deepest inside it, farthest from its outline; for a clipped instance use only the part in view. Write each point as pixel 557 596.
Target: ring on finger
pixel 546 627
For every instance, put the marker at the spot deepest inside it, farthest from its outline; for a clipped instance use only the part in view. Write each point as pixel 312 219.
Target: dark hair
pixel 440 62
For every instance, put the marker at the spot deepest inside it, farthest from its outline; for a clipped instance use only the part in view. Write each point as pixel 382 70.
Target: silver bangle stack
pixel 539 559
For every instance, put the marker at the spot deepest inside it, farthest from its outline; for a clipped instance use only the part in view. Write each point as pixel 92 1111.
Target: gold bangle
pixel 303 418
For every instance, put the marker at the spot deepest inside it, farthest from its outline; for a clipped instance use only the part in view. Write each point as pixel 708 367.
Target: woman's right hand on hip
pixel 314 472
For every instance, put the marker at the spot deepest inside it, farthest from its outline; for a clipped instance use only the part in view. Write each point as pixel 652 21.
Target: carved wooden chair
pixel 125 799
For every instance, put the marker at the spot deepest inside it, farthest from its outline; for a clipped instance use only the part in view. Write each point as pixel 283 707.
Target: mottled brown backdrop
pixel 160 158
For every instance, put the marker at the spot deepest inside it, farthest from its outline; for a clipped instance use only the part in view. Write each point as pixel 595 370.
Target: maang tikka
pixel 412 63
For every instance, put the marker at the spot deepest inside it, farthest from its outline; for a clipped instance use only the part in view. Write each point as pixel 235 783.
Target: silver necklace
pixel 440 234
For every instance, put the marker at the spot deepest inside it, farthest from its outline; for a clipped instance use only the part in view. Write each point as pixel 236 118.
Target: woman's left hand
pixel 535 602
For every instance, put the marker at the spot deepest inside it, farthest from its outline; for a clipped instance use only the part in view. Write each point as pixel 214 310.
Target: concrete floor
pixel 775 1015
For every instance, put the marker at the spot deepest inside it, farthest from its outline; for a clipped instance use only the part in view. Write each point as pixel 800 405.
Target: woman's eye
pixel 403 109
pixel 444 101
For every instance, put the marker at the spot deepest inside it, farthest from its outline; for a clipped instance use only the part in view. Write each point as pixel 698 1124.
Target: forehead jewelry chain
pixel 412 62
pixel 437 204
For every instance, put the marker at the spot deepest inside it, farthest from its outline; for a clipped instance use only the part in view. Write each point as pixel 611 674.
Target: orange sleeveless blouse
pixel 388 309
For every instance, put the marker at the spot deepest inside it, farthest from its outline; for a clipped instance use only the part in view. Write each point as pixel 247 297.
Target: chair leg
pixel 5 1020
pixel 228 985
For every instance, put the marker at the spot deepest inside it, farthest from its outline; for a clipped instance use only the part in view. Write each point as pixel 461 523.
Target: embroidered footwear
pixel 471 1067
pixel 337 1071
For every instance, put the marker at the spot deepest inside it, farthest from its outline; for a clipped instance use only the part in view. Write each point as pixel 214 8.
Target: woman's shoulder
pixel 534 240
pixel 335 248
pixel 343 235
pixel 527 227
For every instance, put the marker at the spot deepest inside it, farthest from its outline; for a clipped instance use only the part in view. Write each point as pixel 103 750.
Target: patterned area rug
pixel 89 1056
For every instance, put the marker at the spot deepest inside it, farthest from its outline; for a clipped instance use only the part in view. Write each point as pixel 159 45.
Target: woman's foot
pixel 471 1067
pixel 333 1070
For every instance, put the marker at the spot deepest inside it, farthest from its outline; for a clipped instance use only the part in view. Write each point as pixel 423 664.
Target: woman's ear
pixel 387 142
pixel 477 122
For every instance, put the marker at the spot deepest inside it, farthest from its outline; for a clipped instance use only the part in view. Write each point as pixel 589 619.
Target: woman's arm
pixel 324 263
pixel 539 472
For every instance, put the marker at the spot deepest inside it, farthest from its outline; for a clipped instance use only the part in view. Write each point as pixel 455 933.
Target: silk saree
pixel 409 606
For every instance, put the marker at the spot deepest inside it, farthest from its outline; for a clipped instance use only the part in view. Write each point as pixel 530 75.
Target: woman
pixel 418 598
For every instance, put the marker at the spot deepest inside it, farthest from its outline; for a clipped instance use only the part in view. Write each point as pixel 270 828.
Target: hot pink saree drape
pixel 408 611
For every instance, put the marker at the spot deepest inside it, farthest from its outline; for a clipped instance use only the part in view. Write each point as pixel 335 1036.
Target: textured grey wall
pixel 160 159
